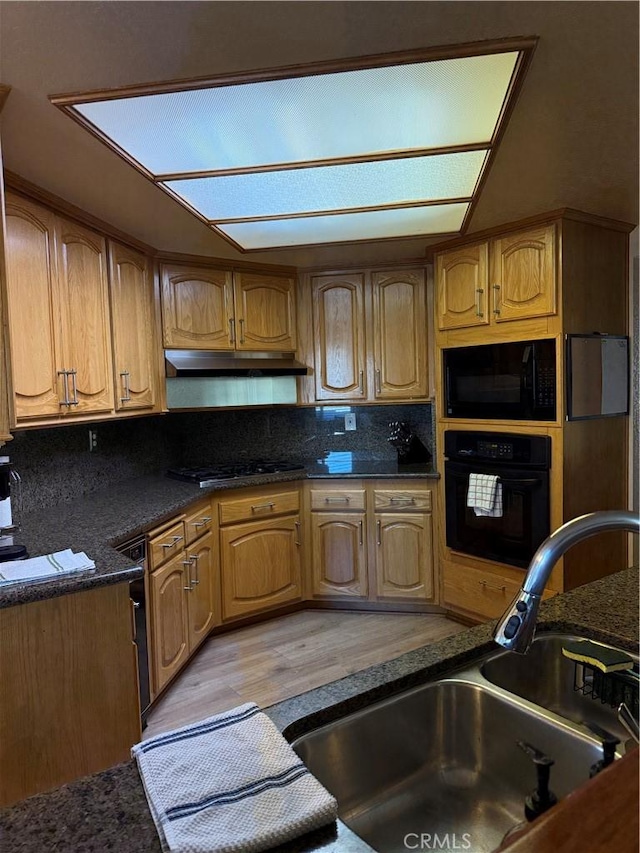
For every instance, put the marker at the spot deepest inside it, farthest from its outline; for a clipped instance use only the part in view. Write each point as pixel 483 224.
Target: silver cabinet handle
pixel 496 297
pixel 74 386
pixel 171 544
pixel 256 507
pixel 479 292
pixel 378 381
pixel 125 381
pixel 65 385
pixel 196 565
pixel 486 585
pixel 187 569
pixel 341 500
pixel 203 521
pixel 379 526
pixel 361 523
pixel 232 331
pixel 407 501
pixel 361 382
pixel 241 321
pixel 297 527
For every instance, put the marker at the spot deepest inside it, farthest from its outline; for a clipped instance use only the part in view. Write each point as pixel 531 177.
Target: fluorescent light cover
pixel 347 227
pixel 443 176
pixel 298 119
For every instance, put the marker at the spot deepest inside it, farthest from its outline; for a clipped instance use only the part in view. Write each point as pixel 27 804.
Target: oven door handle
pixel 529 483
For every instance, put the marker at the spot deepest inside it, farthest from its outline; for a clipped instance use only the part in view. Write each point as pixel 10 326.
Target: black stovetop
pixel 208 475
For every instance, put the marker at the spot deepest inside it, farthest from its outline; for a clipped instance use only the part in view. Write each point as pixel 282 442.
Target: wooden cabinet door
pixel 197 308
pixel 260 564
pixel 31 272
pixel 265 312
pixel 338 543
pixel 135 340
pixel 169 628
pixel 404 556
pixel 82 314
pixel 462 287
pixel 202 613
pixel 400 335
pixel 523 274
pixel 339 332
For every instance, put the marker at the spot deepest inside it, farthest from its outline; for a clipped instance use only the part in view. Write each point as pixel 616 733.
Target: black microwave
pixel 513 381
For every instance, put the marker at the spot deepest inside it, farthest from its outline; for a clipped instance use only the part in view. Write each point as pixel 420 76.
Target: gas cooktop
pixel 211 474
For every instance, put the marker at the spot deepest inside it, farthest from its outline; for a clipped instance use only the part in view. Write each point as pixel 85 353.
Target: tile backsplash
pixel 56 464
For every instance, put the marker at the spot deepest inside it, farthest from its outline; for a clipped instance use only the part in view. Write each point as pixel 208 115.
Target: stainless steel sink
pixel 549 679
pixel 442 759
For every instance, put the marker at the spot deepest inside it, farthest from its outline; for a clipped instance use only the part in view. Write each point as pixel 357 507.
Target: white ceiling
pixel 571 142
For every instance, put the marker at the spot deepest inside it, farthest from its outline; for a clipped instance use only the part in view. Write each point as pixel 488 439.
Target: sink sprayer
pixel 516 628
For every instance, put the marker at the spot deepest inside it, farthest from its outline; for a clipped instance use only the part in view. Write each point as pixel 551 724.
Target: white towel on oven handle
pixel 484 495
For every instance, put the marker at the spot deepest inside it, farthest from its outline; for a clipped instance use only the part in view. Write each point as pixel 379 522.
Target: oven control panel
pixel 508 448
pixel 495 450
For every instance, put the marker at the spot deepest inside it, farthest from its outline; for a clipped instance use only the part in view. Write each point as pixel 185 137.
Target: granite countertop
pixel 99 521
pixel 108 811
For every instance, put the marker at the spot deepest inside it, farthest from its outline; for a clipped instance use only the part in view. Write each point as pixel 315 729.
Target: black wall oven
pixel 515 380
pixel 522 464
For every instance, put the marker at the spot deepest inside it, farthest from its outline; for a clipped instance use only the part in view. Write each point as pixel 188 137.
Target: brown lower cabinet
pixel 260 558
pixel 245 552
pixel 372 542
pixel 51 735
pixel 184 602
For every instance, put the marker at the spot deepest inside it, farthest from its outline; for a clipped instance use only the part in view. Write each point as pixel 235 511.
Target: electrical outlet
pixel 350 421
pixel 93 440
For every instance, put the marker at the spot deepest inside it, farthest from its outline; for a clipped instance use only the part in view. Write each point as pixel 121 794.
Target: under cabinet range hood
pixel 200 379
pixel 203 363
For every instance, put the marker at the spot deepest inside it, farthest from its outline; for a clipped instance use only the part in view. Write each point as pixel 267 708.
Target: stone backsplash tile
pixel 56 464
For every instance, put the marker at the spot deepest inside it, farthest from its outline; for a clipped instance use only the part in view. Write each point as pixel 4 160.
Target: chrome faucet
pixel 517 626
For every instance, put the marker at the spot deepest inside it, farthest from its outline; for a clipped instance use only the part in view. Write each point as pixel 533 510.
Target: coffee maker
pixel 10 511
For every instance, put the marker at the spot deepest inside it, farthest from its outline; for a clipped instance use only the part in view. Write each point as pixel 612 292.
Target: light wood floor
pixel 274 660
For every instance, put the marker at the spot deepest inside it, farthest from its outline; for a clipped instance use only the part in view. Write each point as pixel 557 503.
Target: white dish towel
pixel 229 784
pixel 45 567
pixel 485 495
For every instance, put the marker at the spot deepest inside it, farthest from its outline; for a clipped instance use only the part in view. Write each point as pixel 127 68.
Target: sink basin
pixel 546 677
pixel 442 758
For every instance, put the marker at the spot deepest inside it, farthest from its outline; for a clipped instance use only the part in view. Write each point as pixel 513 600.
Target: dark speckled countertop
pixel 99 521
pixel 108 811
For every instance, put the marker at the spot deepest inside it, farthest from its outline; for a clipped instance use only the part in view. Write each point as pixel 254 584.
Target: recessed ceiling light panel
pixel 322 188
pixel 380 137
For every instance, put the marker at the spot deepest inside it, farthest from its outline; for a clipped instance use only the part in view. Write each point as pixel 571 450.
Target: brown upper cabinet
pixel 223 310
pixel 5 418
pixel 370 333
pixel 399 335
pixel 512 277
pixel 133 326
pixel 91 312
pixel 58 296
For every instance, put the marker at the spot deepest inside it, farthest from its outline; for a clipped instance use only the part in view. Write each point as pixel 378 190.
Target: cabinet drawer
pixel 331 500
pixel 259 506
pixel 197 523
pixel 476 591
pixel 166 544
pixel 407 500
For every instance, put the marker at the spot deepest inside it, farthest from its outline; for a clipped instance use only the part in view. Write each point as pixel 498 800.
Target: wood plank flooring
pixel 274 660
